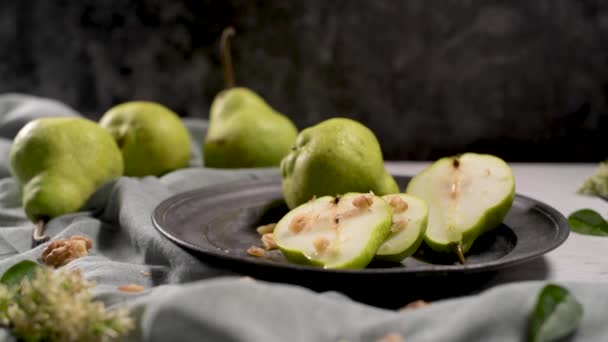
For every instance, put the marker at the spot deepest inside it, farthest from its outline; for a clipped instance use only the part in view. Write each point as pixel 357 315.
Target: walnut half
pixel 415 305
pixel 255 251
pixel 391 337
pixel 60 252
pixel 268 241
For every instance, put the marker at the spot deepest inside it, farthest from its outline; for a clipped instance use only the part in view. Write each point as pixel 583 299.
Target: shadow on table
pixel 536 269
pixel 395 290
pixel 395 293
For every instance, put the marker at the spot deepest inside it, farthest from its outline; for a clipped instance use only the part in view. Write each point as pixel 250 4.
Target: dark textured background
pixel 526 80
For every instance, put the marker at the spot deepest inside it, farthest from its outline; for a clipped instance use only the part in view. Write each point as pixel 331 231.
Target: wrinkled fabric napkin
pixel 187 300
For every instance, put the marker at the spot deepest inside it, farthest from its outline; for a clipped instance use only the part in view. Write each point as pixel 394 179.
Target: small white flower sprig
pixel 596 185
pixel 43 304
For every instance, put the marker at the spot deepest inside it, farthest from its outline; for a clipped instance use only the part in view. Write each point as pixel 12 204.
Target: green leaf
pixel 556 315
pixel 589 222
pixel 18 272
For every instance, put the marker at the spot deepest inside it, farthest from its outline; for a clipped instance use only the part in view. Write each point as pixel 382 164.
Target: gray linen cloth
pixel 186 300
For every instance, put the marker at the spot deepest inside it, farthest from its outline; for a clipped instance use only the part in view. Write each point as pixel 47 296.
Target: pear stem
pixel 458 251
pixel 38 236
pixel 226 54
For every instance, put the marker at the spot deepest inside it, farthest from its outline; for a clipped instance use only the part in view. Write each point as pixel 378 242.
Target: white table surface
pixel 581 257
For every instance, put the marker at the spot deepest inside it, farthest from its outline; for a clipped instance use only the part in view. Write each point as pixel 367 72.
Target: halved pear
pixel 410 217
pixel 467 195
pixel 335 232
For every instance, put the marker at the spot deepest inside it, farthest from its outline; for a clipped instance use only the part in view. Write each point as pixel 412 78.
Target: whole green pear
pixel 334 157
pixel 152 138
pixel 244 131
pixel 60 162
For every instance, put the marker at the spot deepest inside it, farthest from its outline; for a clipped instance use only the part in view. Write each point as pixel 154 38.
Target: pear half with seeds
pixel 468 195
pixel 410 217
pixel 335 232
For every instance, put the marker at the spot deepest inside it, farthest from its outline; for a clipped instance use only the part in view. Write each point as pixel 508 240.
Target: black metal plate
pixel 218 224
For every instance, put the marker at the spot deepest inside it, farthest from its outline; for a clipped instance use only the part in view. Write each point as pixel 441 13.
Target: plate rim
pixel 548 212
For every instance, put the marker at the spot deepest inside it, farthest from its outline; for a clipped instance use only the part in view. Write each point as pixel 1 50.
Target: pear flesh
pixel 410 217
pixel 467 195
pixel 335 233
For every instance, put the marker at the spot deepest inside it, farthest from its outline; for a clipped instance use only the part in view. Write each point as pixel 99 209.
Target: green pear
pixel 468 195
pixel 152 138
pixel 244 131
pixel 335 232
pixel 60 162
pixel 334 157
pixel 410 217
